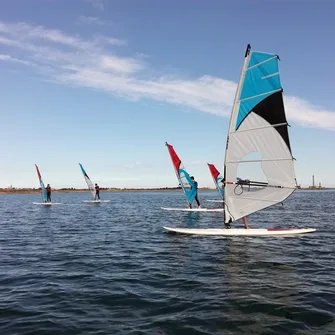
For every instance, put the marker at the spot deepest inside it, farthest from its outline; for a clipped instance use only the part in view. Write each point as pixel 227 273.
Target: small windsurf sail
pixel 184 178
pixel 88 181
pixel 43 189
pixel 258 125
pixel 217 178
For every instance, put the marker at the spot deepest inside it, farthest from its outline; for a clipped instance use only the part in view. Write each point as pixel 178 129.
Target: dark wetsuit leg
pixel 197 200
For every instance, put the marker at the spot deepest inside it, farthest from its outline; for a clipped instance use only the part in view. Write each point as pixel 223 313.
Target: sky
pixel 107 83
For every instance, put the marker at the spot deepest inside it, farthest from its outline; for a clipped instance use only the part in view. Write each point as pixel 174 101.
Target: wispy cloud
pixel 72 60
pixel 8 58
pixel 112 41
pixel 90 20
pixel 99 4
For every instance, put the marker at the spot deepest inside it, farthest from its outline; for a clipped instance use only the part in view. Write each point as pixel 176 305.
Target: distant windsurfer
pixel 97 191
pixel 244 219
pixel 196 193
pixel 48 188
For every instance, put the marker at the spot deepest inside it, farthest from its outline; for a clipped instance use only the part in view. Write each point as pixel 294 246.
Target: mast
pixel 232 117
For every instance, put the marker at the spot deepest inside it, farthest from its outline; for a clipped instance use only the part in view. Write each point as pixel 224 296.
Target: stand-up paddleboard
pixel 193 209
pixel 241 232
pixel 47 203
pixel 210 200
pixel 257 125
pixel 96 201
pixel 91 188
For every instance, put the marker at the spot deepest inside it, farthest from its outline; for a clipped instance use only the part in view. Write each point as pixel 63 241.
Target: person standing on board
pixel 244 219
pixel 97 191
pixel 196 193
pixel 48 188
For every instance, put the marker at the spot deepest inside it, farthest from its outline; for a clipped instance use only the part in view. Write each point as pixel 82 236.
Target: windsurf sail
pixel 43 189
pixel 258 125
pixel 88 181
pixel 184 178
pixel 217 178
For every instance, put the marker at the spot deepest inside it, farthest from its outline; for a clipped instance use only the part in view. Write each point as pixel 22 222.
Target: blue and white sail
pixel 88 181
pixel 258 125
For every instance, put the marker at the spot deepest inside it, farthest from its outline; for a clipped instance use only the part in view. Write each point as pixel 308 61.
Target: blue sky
pixel 106 83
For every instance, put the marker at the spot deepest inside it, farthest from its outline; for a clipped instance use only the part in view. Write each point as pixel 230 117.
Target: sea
pixel 111 268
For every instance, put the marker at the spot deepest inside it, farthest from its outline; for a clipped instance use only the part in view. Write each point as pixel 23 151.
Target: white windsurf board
pixel 47 203
pixel 193 209
pixel 210 200
pixel 241 231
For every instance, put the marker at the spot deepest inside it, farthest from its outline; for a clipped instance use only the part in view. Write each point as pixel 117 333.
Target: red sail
pixel 215 173
pixel 38 173
pixel 175 159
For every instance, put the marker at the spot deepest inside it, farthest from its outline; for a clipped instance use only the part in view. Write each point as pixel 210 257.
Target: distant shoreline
pixel 155 189
pixel 75 190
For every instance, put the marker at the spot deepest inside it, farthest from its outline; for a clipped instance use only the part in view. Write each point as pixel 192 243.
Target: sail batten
pixel 262 94
pixel 251 129
pixel 183 177
pixel 258 125
pixel 259 160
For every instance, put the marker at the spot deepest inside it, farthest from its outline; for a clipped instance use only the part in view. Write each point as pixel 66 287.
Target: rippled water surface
pixel 111 268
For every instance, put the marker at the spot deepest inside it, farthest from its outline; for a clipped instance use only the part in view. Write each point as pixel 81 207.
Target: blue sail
pixel 260 81
pixel 187 184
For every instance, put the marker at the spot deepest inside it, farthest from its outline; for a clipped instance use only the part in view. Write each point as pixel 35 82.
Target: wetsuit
pixel 97 190
pixel 196 195
pixel 48 193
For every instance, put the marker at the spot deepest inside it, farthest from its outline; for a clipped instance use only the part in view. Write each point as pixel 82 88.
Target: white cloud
pixel 72 60
pixel 111 41
pixel 309 115
pixel 90 20
pixel 12 59
pixel 120 65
